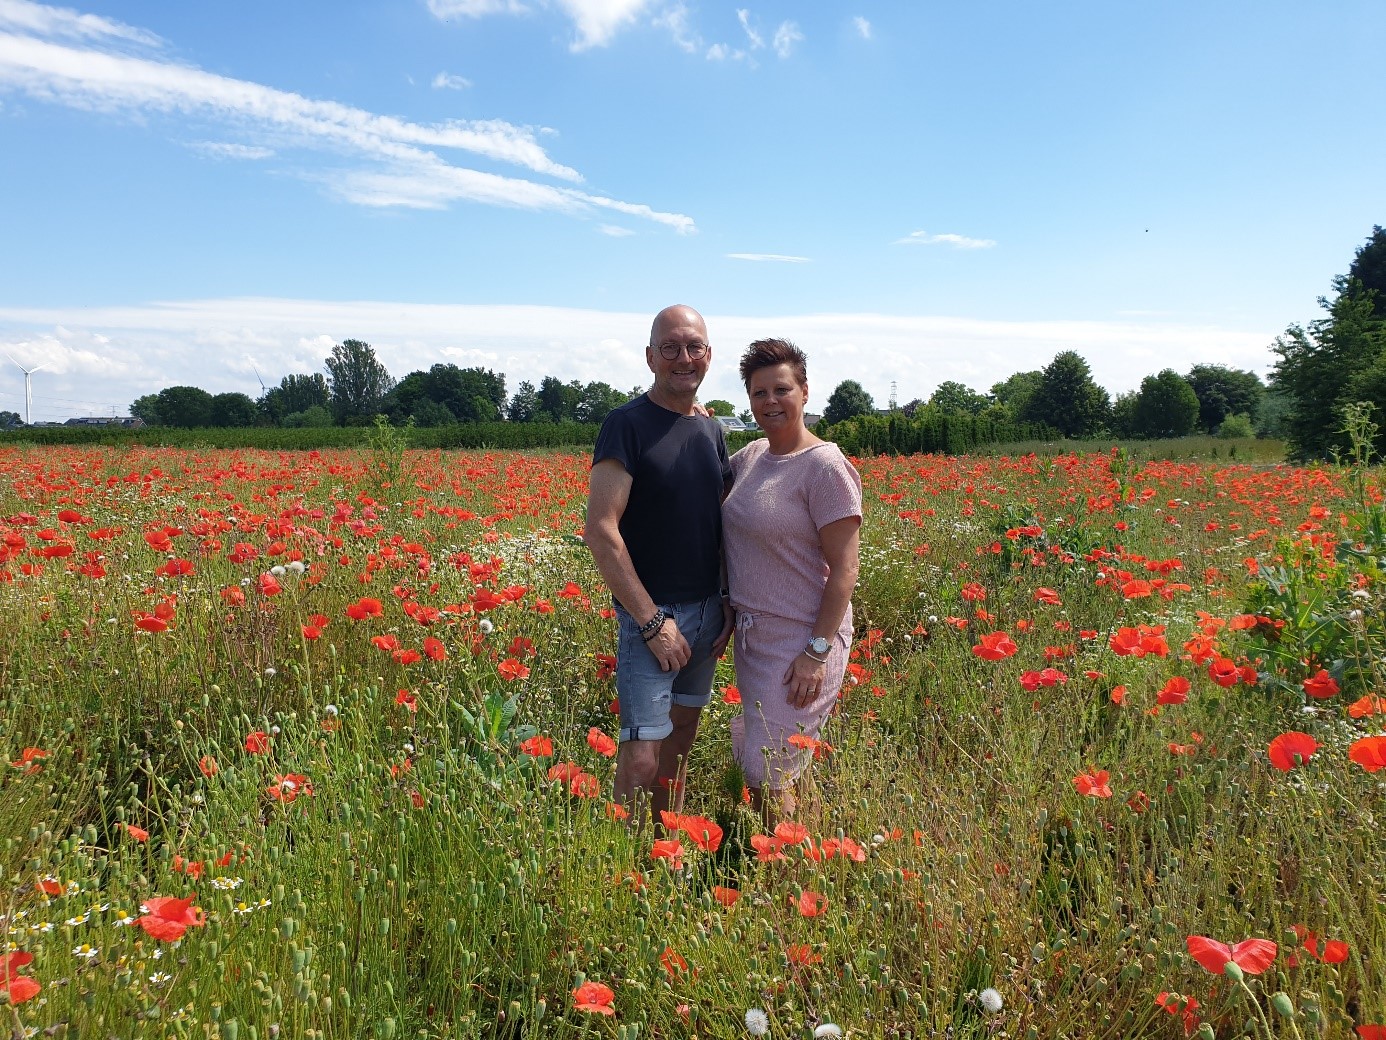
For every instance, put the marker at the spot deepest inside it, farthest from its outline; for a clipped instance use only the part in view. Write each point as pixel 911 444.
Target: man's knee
pixel 638 760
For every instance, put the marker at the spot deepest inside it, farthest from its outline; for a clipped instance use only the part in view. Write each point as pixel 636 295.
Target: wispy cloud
pixel 786 36
pixel 675 20
pixel 863 27
pixel 615 231
pixel 230 150
pixel 596 21
pixel 744 17
pixel 923 238
pixel 104 358
pixel 65 23
pixel 387 161
pixel 774 258
pixel 449 81
pixel 473 8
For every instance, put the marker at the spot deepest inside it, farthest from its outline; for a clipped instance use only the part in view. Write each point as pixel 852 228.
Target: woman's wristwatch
pixel 818 649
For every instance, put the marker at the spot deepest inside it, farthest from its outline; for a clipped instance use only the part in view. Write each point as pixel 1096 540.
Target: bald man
pixel 654 524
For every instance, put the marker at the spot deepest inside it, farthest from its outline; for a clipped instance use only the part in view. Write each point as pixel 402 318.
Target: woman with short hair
pixel 790 527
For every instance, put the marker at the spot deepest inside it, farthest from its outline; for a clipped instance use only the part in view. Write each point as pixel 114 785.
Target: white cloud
pixel 473 8
pixel 786 36
pixel 63 22
pixel 597 21
pixel 675 19
pixel 229 150
pixel 614 231
pixel 923 238
pixel 862 26
pixel 744 17
pixel 448 81
pixel 206 343
pixel 769 258
pixel 388 160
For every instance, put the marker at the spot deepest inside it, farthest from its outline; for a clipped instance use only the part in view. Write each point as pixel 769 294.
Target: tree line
pixel 1334 362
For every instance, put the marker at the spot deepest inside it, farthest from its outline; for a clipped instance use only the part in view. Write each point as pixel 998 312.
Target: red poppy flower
pixel 1291 749
pixel 1175 691
pixel 208 765
pixel 388 642
pixel 1253 956
pixel 600 742
pixel 594 998
pixel 1369 753
pixel 669 850
pixel 802 955
pixel 434 649
pixel 28 760
pixel 731 695
pixel 617 812
pixel 288 786
pixel 18 987
pixel 257 743
pixel 233 596
pixel 1093 784
pixel 269 585
pixel 791 832
pixel 1371 704
pixel 539 747
pixel 1048 597
pixel 705 834
pixel 811 904
pixel 995 646
pixel 726 896
pixel 768 849
pixel 564 771
pixel 364 608
pixel 673 962
pixel 1321 685
pixel 166 918
pixel 510 669
pixel 1224 672
pixel 584 785
pixel 1372 1032
pixel 138 833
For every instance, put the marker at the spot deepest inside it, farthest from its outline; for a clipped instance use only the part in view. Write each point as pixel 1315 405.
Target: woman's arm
pixel 839 541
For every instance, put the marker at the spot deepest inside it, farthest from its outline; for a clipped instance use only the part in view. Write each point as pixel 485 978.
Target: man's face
pixel 681 376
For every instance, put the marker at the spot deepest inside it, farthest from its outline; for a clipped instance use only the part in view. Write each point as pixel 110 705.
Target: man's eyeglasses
pixel 671 351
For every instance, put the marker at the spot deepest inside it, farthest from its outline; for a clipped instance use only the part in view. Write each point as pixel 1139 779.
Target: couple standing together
pixel 694 544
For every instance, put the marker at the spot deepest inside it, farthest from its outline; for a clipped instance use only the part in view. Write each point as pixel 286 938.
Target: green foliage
pixel 848 399
pixel 929 430
pixel 955 397
pixel 1123 420
pixel 1166 406
pixel 233 409
pixel 295 394
pixel 446 393
pixel 315 417
pixel 1235 426
pixel 1367 274
pixel 310 437
pixel 357 381
pixel 1067 399
pixel 1224 391
pixel 184 407
pixel 8 419
pixel 720 407
pixel 1015 390
pixel 524 404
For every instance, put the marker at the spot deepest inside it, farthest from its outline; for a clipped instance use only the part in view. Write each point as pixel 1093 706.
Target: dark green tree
pixel 558 401
pixel 1067 399
pixel 234 409
pixel 1015 390
pixel 146 408
pixel 1224 391
pixel 955 397
pixel 524 404
pixel 9 419
pixel 1368 271
pixel 295 393
pixel 849 399
pixel 184 407
pixel 1123 420
pixel 720 407
pixel 1166 406
pixel 428 412
pixel 357 381
pixel 315 417
pixel 597 400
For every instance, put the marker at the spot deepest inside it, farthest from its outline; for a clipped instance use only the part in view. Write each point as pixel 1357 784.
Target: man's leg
pixel 672 760
pixel 637 770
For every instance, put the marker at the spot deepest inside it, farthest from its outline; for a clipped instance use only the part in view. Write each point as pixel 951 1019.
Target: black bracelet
pixel 651 628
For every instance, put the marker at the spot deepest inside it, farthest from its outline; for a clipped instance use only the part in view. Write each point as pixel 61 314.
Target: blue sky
pixel 191 193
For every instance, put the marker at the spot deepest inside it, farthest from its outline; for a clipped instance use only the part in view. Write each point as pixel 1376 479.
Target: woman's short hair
pixel 766 353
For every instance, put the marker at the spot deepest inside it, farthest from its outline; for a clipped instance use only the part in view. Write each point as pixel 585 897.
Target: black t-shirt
pixel 672 525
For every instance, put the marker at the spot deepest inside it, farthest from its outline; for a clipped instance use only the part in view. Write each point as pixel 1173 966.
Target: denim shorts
pixel 645 693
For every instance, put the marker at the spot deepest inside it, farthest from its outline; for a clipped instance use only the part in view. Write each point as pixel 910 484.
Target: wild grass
pixel 375 856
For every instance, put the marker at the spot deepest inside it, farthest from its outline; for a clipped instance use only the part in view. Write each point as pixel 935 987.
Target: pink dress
pixel 777 573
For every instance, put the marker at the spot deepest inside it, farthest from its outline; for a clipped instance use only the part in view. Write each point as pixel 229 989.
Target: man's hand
pixel 669 647
pixel 719 645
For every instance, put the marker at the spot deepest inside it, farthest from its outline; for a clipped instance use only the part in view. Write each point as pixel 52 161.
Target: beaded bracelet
pixel 651 628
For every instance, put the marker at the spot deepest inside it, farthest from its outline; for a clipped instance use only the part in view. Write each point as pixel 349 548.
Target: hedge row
pixel 930 431
pixel 272 438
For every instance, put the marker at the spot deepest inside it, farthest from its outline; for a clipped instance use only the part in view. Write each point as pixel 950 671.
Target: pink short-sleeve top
pixel 770 525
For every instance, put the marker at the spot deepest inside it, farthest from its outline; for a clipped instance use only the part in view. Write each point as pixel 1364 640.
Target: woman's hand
pixel 804 677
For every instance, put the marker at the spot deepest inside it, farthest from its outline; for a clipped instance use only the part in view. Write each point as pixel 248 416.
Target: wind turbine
pixel 28 384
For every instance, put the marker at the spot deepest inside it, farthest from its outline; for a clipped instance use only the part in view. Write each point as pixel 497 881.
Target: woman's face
pixel 777 398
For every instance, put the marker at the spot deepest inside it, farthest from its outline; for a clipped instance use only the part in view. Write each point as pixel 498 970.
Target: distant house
pixel 105 420
pixel 731 422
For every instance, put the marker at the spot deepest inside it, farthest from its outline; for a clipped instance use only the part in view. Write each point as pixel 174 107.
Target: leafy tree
pixel 1368 271
pixel 234 410
pixel 1236 426
pixel 8 419
pixel 1067 399
pixel 849 399
pixel 955 397
pixel 471 394
pixel 910 407
pixel 1273 417
pixel 746 416
pixel 146 408
pixel 315 417
pixel 1123 420
pixel 295 393
pixel 1224 391
pixel 1336 361
pixel 357 381
pixel 597 400
pixel 429 412
pixel 1015 390
pixel 184 407
pixel 559 400
pixel 524 404
pixel 1166 406
pixel 720 407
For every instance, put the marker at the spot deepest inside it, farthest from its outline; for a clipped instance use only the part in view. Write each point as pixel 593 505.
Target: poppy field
pixel 319 744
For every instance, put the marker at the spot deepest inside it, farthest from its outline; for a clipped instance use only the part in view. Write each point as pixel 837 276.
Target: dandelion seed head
pixel 486 627
pixel 826 1029
pixel 330 709
pixel 296 566
pixel 757 1022
pixel 277 571
pixel 990 1000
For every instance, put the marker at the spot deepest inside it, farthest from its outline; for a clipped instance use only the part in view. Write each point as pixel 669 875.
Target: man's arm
pixel 608 494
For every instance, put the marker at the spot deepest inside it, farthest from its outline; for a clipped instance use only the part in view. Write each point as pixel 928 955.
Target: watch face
pixel 819 645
